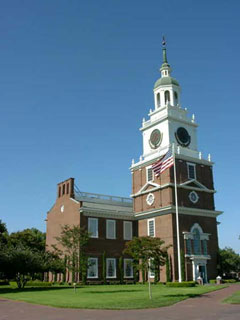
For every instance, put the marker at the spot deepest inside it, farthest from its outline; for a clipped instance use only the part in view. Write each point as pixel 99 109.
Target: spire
pixel 165 68
pixel 164 50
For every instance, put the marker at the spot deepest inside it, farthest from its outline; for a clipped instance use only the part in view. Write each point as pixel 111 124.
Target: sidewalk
pixel 206 307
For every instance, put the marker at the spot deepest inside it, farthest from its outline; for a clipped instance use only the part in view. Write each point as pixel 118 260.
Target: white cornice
pixel 182 210
pixel 145 163
pixel 167 185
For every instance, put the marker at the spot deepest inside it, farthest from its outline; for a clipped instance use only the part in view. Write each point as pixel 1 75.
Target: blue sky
pixel 76 79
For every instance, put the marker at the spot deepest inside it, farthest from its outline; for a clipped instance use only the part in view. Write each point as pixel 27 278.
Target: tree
pixel 229 261
pixel 74 241
pixel 32 238
pixel 104 268
pixel 3 234
pixel 168 271
pixel 19 263
pixel 120 267
pixel 146 249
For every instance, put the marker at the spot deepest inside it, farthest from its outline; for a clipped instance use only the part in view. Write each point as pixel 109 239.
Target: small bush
pixel 4 282
pixel 213 281
pixel 229 280
pixel 181 284
pixel 38 284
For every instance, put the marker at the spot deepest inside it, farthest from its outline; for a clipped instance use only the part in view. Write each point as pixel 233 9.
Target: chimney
pixel 66 188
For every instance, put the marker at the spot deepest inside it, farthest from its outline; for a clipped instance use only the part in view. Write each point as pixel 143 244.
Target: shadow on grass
pixel 32 289
pixel 112 292
pixel 187 295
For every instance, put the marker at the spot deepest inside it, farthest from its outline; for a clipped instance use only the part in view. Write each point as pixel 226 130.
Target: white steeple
pixel 168 123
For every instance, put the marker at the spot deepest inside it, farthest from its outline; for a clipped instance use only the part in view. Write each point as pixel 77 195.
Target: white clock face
pixel 193 196
pixel 155 139
pixel 150 199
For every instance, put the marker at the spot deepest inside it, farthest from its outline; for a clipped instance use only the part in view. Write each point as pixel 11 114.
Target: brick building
pixel 152 208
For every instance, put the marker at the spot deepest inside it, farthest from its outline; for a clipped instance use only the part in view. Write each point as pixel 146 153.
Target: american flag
pixel 165 162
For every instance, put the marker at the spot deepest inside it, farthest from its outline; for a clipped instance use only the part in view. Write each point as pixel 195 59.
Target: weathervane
pixel 163 41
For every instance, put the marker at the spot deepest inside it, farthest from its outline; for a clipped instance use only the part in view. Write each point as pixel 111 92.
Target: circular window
pixel 150 199
pixel 155 139
pixel 183 137
pixel 193 196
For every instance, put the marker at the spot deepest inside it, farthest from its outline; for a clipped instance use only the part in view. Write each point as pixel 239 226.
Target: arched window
pixel 59 192
pixel 176 97
pixel 167 96
pixel 196 241
pixel 158 100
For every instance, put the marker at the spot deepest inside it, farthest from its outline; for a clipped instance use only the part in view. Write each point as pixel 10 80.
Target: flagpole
pixel 177 219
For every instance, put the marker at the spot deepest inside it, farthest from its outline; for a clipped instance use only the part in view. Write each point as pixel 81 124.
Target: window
pixel 92 271
pixel 167 96
pixel 196 242
pixel 204 247
pixel 111 268
pixel 127 230
pixel 158 100
pixel 188 246
pixel 149 174
pixel 67 188
pixel 128 268
pixel 111 229
pixel 151 227
pixel 191 171
pixel 63 189
pixel 93 227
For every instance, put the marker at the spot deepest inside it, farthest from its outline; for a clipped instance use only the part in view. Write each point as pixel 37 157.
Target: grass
pixel 105 297
pixel 233 299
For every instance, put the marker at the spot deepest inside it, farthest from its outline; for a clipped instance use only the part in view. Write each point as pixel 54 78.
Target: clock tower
pixel 153 196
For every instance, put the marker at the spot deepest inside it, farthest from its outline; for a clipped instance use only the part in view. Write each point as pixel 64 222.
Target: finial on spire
pixel 164 50
pixel 163 41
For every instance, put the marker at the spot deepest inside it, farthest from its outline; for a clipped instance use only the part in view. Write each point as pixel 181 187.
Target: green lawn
pixel 234 299
pixel 105 297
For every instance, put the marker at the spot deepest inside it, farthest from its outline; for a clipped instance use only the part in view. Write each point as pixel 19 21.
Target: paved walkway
pixel 206 307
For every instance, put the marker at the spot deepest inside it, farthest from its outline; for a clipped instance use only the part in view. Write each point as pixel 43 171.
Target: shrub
pixel 229 280
pixel 4 282
pixel 38 284
pixel 181 284
pixel 212 281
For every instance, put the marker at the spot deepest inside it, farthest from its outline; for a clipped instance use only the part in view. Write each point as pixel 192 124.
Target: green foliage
pixel 74 241
pixel 181 284
pixel 212 281
pixel 142 249
pixel 229 261
pixel 33 239
pixel 120 267
pixel 168 272
pixel 183 265
pixel 104 267
pixel 3 234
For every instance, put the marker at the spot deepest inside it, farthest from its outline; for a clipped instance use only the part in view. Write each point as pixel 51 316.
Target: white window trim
pixel 149 167
pixel 93 219
pixel 115 269
pixel 153 219
pixel 107 229
pixel 194 165
pixel 124 228
pixel 124 267
pixel 96 260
